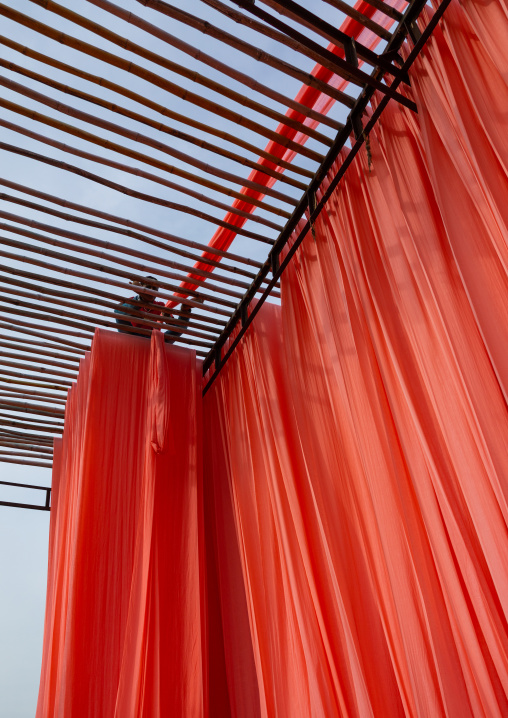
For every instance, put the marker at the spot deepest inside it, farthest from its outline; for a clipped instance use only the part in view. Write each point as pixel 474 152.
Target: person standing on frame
pixel 126 318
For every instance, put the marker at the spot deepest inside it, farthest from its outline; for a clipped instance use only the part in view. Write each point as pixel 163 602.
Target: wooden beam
pixel 355 14
pixel 119 187
pixel 202 278
pixel 101 270
pixel 38 369
pixel 3 459
pixel 246 48
pixel 52 296
pixel 127 151
pixel 30 408
pixel 155 79
pixel 335 63
pixel 145 229
pixel 31 425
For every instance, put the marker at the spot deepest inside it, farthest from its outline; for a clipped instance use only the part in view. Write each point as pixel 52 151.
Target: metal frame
pixel 242 318
pixel 36 507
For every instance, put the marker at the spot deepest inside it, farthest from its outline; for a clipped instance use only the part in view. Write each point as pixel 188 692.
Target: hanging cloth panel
pixel 460 84
pixel 365 453
pixel 123 625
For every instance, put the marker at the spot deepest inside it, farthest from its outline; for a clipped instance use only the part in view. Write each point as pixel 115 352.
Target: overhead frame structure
pixel 244 315
pixel 49 320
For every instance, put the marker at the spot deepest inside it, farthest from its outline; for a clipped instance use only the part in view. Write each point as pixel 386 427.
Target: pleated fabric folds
pixel 365 453
pixel 123 617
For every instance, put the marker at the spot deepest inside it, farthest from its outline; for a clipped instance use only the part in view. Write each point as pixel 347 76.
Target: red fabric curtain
pixel 365 454
pixel 123 628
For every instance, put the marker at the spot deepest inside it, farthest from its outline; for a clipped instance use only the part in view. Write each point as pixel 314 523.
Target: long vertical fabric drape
pixel 346 553
pixel 123 629
pixel 365 455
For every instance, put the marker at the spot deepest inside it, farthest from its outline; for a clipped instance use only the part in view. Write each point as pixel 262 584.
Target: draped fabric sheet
pixel 346 551
pixel 365 454
pixel 123 618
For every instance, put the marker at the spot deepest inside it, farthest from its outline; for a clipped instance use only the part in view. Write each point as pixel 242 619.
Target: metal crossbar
pixel 243 316
pixel 37 507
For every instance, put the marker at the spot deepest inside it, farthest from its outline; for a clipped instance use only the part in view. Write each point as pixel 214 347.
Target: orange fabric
pixel 461 86
pixel 124 581
pixel 362 428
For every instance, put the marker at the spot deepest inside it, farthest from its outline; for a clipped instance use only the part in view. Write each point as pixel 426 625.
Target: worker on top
pixel 126 309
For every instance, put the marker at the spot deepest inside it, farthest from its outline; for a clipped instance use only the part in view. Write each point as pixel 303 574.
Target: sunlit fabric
pixel 344 551
pixel 123 630
pixel 365 453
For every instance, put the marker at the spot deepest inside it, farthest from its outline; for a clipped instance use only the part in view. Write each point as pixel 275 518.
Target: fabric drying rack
pixel 48 321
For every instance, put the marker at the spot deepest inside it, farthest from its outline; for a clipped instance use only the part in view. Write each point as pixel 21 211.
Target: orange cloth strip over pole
pixel 311 97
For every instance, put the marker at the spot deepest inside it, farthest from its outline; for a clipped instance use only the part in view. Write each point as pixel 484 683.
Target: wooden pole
pixel 25 462
pixel 126 251
pixel 269 31
pixel 232 42
pixel 30 408
pixel 363 19
pixel 129 134
pixel 23 382
pixel 44 396
pixel 101 269
pixel 34 425
pixel 140 315
pixel 53 296
pixel 156 124
pixel 138 330
pixel 316 24
pixel 139 310
pixel 163 61
pixel 122 248
pixel 146 231
pixel 157 79
pixel 161 109
pixel 114 185
pixel 17 345
pixel 42 335
pixel 67 351
pixel 140 157
pixel 52 422
pixel 6 455
pixel 51 330
pixel 62 319
pixel 349 71
pixel 46 441
pixel 25 447
pixel 39 369
pixel 49 362
pixel 44 447
pixel 22 440
pixel 49 383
